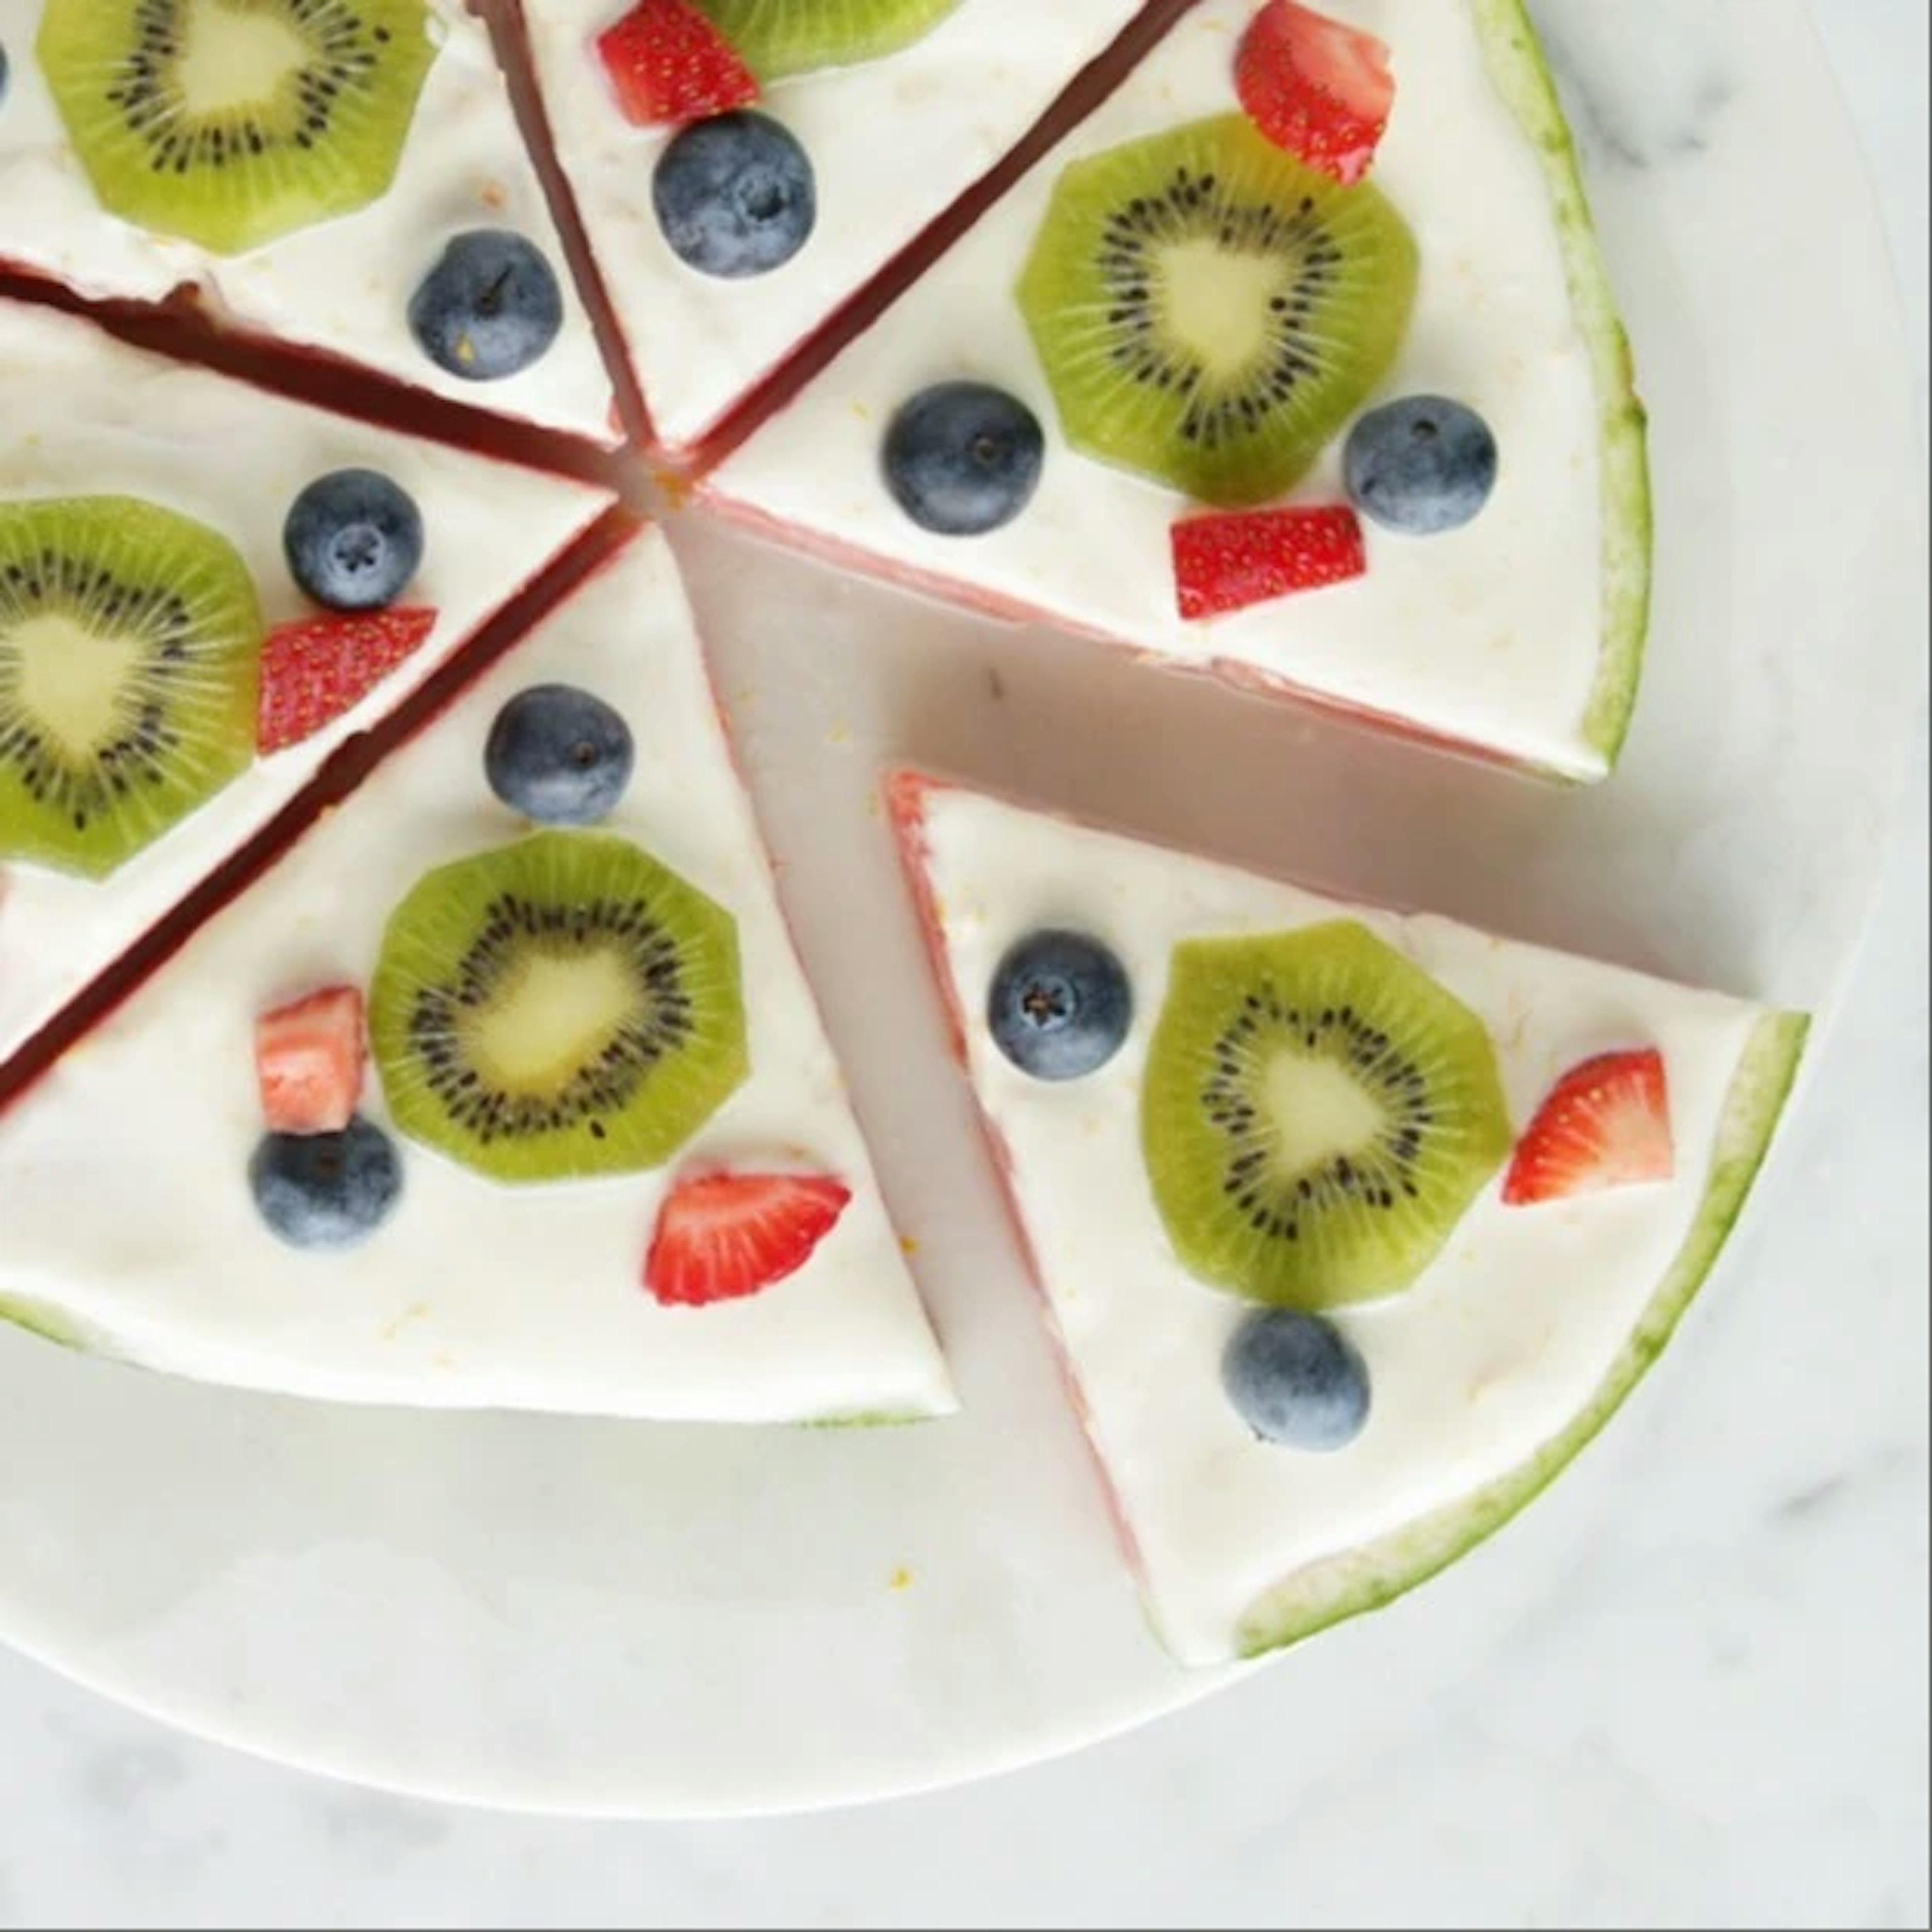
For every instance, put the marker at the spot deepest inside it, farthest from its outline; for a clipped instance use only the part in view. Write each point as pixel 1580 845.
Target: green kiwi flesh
pixel 558 1010
pixel 229 123
pixel 775 38
pixel 130 641
pixel 1355 1582
pixel 1318 1115
pixel 1213 312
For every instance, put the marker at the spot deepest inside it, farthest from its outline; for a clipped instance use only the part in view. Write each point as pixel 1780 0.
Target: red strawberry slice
pixel 1228 563
pixel 1607 1125
pixel 724 1237
pixel 314 670
pixel 309 1058
pixel 1323 91
pixel 668 62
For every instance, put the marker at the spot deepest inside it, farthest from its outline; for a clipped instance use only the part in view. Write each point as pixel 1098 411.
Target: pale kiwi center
pixel 557 1012
pixel 1317 1112
pixel 1213 304
pixel 71 678
pixel 238 55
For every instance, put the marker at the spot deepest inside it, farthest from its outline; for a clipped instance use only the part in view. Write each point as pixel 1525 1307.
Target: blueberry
pixel 3 73
pixel 1060 1007
pixel 736 196
pixel 1422 465
pixel 354 540
pixel 327 1191
pixel 964 459
pixel 1297 1381
pixel 489 307
pixel 559 756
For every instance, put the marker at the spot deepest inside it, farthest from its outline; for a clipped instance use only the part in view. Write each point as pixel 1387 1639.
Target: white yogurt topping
pixel 85 415
pixel 1490 636
pixel 893 142
pixel 342 287
pixel 473 1294
pixel 1501 1343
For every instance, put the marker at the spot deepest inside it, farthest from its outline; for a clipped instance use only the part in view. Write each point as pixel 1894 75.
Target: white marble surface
pixel 1727 1733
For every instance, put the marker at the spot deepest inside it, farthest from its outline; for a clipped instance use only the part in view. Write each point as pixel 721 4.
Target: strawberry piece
pixel 668 62
pixel 1323 91
pixel 1224 563
pixel 1607 1125
pixel 314 670
pixel 309 1059
pixel 725 1237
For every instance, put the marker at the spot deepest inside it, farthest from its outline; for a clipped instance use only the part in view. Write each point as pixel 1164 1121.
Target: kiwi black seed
pixel 231 125
pixel 1318 1115
pixel 130 642
pixel 562 1008
pixel 1211 311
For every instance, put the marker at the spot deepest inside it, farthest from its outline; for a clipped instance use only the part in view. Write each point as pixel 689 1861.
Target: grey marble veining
pixel 1647 81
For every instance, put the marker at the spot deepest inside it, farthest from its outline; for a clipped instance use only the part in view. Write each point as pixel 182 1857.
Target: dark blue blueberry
pixel 1422 465
pixel 1297 1381
pixel 559 756
pixel 327 1191
pixel 489 307
pixel 3 74
pixel 1060 1007
pixel 735 196
pixel 964 458
pixel 354 541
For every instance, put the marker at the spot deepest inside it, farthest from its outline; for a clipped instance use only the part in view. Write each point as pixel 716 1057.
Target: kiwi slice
pixel 560 1009
pixel 231 122
pixel 1211 312
pixel 1318 1115
pixel 130 644
pixel 777 38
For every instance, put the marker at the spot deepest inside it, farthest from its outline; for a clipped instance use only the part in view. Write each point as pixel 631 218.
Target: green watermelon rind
pixel 870 1420
pixel 1520 72
pixel 51 1325
pixel 1354 1583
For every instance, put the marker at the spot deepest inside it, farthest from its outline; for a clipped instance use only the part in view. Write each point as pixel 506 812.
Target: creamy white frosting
pixel 86 415
pixel 1490 636
pixel 894 142
pixel 473 1294
pixel 1501 1343
pixel 344 286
